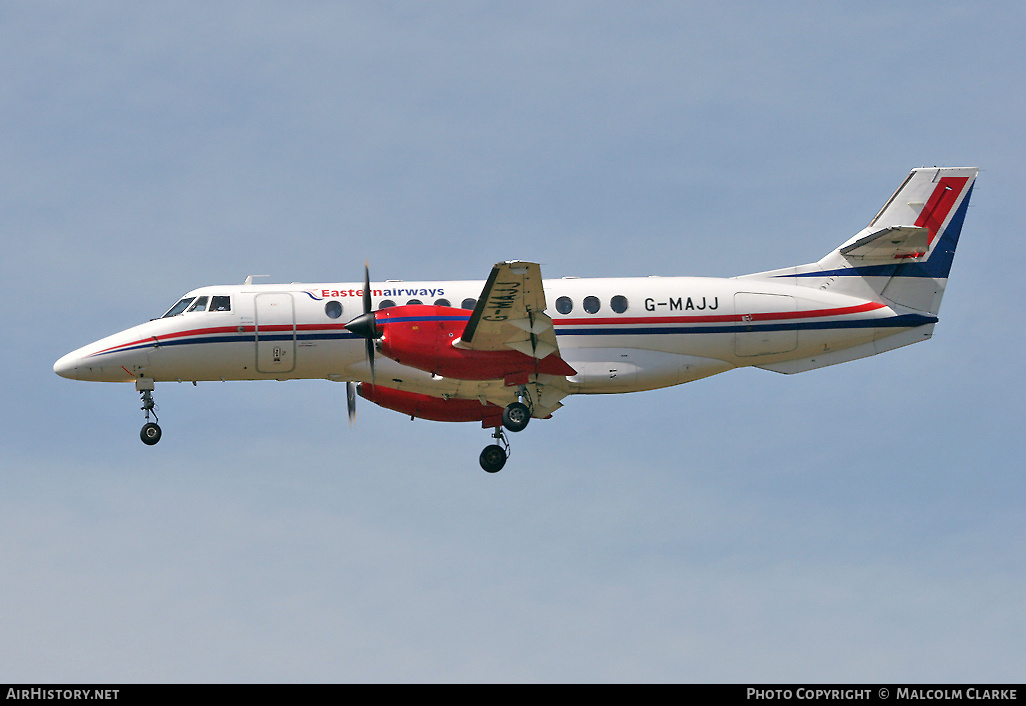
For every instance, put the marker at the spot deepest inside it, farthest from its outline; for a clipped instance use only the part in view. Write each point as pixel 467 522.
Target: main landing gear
pixel 515 418
pixel 493 458
pixel 150 433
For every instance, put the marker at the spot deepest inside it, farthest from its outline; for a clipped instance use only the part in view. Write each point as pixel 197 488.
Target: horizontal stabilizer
pixel 904 255
pixel 890 243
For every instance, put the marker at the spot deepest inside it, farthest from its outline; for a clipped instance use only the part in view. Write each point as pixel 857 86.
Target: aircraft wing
pixel 547 391
pixel 509 316
pixel 510 313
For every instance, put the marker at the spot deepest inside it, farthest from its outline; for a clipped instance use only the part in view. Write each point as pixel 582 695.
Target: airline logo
pixel 320 294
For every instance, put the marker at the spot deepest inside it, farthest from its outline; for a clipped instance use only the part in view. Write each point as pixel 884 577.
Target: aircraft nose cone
pixel 67 366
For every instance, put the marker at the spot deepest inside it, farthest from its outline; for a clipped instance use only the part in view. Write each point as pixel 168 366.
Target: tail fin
pixel 904 255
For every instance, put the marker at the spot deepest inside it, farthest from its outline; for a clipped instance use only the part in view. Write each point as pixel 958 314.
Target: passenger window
pixel 333 309
pixel 591 305
pixel 414 301
pixel 200 305
pixel 386 304
pixel 618 304
pixel 468 304
pixel 564 305
pixel 442 302
pixel 220 304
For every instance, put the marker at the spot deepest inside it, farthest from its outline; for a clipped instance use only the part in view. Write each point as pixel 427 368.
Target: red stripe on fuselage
pixel 177 334
pixel 220 330
pixel 724 318
pixel 634 320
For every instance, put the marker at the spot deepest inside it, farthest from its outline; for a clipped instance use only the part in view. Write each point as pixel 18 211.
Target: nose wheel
pixel 150 433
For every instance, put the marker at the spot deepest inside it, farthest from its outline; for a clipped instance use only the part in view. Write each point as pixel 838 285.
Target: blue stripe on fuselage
pixel 903 321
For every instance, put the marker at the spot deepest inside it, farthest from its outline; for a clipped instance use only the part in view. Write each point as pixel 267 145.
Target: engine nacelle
pixel 422 337
pixel 433 408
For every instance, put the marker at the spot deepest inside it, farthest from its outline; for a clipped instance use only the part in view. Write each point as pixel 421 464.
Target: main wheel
pixel 150 434
pixel 493 458
pixel 516 416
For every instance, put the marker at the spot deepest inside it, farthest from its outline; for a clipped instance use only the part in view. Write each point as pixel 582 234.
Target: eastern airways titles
pixel 400 292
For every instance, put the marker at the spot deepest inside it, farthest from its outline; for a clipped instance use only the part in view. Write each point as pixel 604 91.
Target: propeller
pixel 365 325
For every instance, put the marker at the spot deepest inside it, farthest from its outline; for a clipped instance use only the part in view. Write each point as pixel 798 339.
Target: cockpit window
pixel 179 307
pixel 200 305
pixel 220 304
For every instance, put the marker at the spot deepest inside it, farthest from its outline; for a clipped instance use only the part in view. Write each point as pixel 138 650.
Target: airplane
pixel 509 349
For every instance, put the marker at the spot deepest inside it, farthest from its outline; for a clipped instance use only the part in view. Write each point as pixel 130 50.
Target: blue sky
pixel 858 523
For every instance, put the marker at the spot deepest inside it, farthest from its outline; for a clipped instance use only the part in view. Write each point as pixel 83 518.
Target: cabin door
pixel 275 333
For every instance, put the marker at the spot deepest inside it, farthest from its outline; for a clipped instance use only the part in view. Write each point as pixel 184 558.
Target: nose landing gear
pixel 150 433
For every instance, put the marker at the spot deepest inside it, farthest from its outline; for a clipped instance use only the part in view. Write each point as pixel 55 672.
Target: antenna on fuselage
pixel 249 280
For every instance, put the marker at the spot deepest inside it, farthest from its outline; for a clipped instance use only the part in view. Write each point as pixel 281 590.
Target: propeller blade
pixel 366 287
pixel 351 401
pixel 365 325
pixel 370 357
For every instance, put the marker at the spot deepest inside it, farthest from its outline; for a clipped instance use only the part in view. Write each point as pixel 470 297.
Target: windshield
pixel 179 307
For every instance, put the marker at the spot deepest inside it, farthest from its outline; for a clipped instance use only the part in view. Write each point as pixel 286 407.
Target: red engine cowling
pixel 422 337
pixel 434 408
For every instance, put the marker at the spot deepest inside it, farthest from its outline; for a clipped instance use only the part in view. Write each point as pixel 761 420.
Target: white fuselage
pixel 620 335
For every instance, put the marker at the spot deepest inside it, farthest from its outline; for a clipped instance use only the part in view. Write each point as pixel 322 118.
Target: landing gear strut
pixel 150 433
pixel 515 417
pixel 493 458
